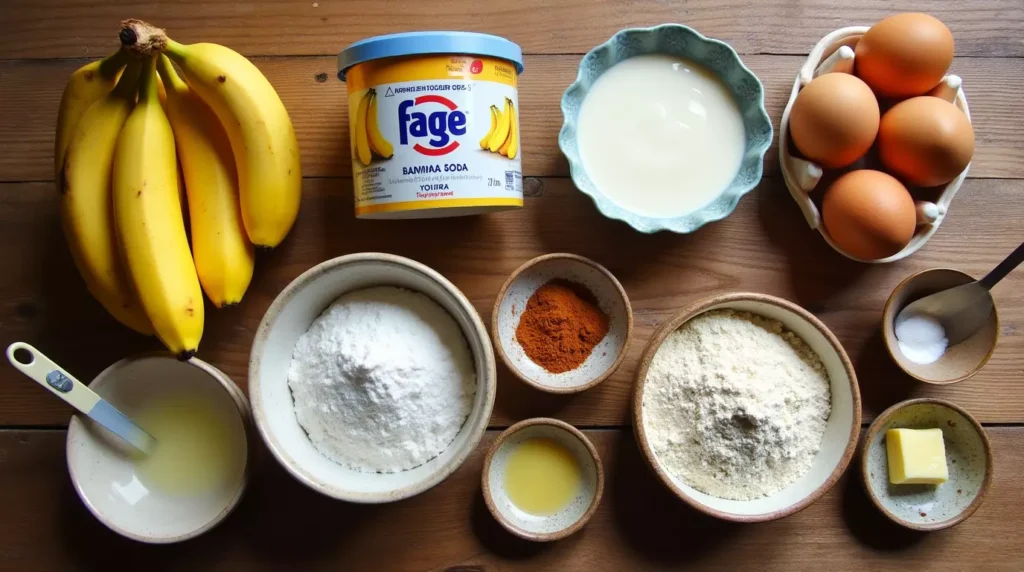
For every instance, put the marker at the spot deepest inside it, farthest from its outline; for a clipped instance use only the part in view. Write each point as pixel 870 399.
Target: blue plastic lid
pixel 415 43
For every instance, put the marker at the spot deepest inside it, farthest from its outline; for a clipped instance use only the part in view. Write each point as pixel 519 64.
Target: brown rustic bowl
pixel 960 361
pixel 969 460
pixel 610 297
pixel 841 432
pixel 572 517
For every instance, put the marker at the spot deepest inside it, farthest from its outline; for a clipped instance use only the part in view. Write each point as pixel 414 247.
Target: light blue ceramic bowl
pixel 717 56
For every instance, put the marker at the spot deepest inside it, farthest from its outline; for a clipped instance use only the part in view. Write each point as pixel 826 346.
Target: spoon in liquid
pixel 60 383
pixel 962 310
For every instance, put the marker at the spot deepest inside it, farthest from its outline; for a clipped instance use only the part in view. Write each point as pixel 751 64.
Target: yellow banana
pixel 86 203
pixel 378 144
pixel 150 228
pixel 361 136
pixel 501 132
pixel 511 131
pixel 494 124
pixel 261 133
pixel 513 136
pixel 222 252
pixel 85 86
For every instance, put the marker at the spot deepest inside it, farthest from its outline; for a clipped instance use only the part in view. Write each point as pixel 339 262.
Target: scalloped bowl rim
pixel 689 222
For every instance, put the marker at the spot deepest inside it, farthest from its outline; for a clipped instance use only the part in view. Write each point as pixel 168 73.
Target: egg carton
pixel 834 53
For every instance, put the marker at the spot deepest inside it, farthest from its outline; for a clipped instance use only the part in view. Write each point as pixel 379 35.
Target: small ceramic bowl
pixel 716 56
pixel 549 527
pixel 968 459
pixel 101 464
pixel 610 296
pixel 960 361
pixel 835 54
pixel 291 314
pixel 841 432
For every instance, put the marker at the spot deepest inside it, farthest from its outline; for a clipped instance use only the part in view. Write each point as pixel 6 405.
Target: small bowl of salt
pixel 918 344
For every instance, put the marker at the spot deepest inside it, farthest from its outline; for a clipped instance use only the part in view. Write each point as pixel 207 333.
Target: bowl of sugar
pixel 665 129
pixel 746 407
pixel 918 344
pixel 371 378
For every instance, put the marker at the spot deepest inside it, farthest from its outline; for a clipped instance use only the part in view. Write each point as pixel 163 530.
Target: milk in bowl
pixel 660 136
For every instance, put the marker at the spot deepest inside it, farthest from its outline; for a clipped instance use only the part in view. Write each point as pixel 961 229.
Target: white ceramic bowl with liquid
pixel 290 316
pixel 101 466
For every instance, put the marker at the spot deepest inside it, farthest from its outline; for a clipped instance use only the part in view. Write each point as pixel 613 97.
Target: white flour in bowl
pixel 735 406
pixel 383 380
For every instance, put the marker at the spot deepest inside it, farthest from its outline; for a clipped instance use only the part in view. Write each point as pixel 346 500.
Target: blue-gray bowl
pixel 717 56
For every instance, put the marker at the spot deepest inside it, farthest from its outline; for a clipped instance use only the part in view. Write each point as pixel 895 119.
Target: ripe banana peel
pixel 221 249
pixel 149 224
pixel 86 203
pixel 262 137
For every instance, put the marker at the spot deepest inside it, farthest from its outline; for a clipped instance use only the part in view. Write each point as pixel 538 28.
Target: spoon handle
pixel 1004 268
pixel 48 374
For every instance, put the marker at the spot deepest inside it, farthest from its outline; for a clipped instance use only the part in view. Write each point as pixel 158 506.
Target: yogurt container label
pixel 434 132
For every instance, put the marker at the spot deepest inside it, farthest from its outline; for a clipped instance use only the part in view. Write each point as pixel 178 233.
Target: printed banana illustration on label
pixel 370 142
pixel 503 137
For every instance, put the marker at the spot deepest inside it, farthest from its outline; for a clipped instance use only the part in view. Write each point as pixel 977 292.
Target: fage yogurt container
pixel 434 124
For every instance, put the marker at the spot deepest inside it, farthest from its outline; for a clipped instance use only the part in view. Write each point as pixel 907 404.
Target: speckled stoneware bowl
pixel 572 517
pixel 838 443
pixel 610 297
pixel 715 55
pixel 968 458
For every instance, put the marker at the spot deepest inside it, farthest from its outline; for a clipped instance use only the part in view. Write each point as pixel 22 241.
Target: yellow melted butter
pixel 197 451
pixel 541 476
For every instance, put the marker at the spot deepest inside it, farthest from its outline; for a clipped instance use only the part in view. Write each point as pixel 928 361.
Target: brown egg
pixel 925 140
pixel 869 214
pixel 904 55
pixel 834 120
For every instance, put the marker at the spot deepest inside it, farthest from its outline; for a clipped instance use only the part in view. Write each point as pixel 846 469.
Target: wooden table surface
pixel 765 246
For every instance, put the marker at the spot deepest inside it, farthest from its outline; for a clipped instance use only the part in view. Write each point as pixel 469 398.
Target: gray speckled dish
pixel 572 517
pixel 968 458
pixel 717 56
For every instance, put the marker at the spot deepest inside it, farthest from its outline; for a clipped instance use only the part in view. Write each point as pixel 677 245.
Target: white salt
pixel 921 338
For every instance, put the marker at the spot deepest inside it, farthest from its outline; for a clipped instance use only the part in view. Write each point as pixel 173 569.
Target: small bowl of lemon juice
pixel 542 479
pixel 194 475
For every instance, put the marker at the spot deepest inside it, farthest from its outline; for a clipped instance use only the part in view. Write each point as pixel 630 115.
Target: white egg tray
pixel 834 53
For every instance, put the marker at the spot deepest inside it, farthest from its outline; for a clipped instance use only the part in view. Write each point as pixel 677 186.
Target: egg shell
pixel 869 214
pixel 834 120
pixel 904 55
pixel 926 141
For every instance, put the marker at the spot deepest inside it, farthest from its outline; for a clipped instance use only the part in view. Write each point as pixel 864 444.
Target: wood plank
pixel 763 247
pixel 75 28
pixel 638 526
pixel 30 93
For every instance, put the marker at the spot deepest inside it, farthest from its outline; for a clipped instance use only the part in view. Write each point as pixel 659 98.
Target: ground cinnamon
pixel 560 326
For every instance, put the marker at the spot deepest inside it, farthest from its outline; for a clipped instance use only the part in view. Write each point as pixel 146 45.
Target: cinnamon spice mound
pixel 560 326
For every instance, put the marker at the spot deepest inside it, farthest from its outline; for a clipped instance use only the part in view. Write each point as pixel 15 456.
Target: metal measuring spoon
pixel 964 309
pixel 60 383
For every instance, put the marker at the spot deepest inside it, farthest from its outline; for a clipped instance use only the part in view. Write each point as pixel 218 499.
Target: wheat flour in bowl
pixel 735 405
pixel 383 380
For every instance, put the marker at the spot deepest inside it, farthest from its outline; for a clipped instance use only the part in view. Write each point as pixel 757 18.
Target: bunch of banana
pixel 369 140
pixel 503 137
pixel 213 147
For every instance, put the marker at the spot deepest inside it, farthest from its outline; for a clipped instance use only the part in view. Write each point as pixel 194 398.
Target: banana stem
pixel 110 65
pixel 129 79
pixel 172 81
pixel 141 37
pixel 148 90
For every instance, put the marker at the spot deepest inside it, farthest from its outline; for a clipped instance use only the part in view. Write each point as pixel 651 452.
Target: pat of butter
pixel 916 456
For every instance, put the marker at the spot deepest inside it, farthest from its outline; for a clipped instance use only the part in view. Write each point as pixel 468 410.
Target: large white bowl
pixel 290 316
pixel 841 432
